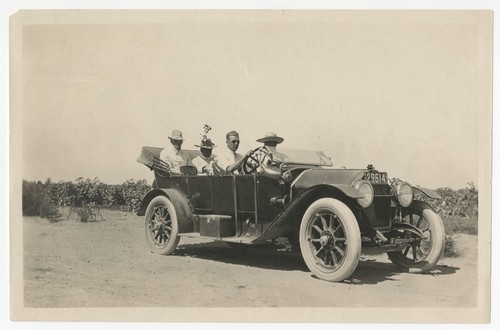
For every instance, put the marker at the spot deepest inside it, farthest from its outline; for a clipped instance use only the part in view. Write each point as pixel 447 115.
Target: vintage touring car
pixel 329 214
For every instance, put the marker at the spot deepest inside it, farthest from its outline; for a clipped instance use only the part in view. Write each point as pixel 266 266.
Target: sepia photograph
pixel 251 165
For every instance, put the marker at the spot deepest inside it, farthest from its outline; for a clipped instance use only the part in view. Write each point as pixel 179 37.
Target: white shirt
pixel 174 158
pixel 200 162
pixel 227 158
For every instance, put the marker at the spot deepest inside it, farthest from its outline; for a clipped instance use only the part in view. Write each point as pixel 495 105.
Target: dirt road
pixel 107 264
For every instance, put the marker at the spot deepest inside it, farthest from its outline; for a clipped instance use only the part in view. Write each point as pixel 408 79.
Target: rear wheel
pixel 422 256
pixel 330 240
pixel 160 225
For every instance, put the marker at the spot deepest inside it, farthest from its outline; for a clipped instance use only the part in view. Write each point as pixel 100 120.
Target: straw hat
pixel 176 135
pixel 206 144
pixel 271 137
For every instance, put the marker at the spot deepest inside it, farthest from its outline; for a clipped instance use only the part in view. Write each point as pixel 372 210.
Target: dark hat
pixel 205 143
pixel 176 135
pixel 271 136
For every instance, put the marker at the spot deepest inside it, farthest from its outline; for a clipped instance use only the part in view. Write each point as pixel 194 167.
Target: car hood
pixel 317 176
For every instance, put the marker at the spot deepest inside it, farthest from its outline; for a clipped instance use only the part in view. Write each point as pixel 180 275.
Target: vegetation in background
pixel 84 196
pixel 37 199
pixel 457 208
pixel 462 203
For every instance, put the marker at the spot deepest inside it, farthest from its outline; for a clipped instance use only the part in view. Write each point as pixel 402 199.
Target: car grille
pixel 381 190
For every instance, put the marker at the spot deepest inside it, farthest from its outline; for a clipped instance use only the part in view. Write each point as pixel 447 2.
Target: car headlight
pixel 404 194
pixel 366 189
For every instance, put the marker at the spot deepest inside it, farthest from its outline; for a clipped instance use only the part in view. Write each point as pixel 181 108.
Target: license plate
pixel 375 177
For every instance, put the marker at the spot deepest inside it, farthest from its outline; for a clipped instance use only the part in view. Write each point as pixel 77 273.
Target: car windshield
pixel 302 157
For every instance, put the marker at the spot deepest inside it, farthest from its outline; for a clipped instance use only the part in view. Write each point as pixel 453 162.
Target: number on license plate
pixel 375 177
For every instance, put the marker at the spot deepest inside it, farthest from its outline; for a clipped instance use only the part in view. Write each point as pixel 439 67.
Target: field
pixel 106 263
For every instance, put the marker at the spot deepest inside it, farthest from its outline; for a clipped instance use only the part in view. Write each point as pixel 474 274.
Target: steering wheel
pixel 258 157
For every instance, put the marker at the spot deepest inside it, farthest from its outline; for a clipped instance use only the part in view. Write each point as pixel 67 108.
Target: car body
pixel 328 214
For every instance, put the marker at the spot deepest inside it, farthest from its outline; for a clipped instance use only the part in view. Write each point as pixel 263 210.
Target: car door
pixel 246 197
pixel 211 194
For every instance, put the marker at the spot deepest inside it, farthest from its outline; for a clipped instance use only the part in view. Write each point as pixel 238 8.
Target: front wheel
pixel 423 255
pixel 330 240
pixel 162 233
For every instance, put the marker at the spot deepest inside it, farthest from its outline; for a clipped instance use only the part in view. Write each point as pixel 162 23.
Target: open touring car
pixel 329 214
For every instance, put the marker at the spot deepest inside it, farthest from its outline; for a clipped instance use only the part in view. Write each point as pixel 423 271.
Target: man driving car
pixel 229 160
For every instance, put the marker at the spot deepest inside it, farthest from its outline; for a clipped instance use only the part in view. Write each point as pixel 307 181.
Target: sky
pixel 407 92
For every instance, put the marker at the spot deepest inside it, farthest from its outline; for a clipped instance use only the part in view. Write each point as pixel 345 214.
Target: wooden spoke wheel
pixel 330 240
pixel 161 226
pixel 426 252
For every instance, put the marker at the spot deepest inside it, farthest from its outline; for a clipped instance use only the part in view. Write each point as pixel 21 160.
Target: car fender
pixel 289 218
pixel 348 190
pixel 422 205
pixel 182 207
pixel 427 192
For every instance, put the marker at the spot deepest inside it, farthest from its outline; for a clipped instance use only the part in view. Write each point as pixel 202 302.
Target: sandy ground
pixel 107 264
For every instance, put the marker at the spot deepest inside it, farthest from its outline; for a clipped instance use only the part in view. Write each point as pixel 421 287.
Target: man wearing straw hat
pixel 173 155
pixel 205 161
pixel 265 154
pixel 271 140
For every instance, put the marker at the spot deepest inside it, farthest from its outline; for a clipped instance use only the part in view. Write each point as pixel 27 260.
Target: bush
pixel 88 192
pixel 114 196
pixel 36 199
pixel 86 213
pixel 133 193
pixel 84 195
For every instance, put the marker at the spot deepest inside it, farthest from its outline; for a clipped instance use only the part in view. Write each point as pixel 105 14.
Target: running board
pixel 241 240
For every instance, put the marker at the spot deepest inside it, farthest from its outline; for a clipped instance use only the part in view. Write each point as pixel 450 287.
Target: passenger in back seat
pixel 173 155
pixel 204 162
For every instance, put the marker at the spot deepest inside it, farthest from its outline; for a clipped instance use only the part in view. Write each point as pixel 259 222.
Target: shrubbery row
pixel 44 198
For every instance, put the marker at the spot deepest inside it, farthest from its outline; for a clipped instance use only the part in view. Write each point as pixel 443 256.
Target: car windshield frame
pixel 301 157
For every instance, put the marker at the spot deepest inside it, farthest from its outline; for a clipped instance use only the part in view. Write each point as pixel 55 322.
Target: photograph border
pixel 19 312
